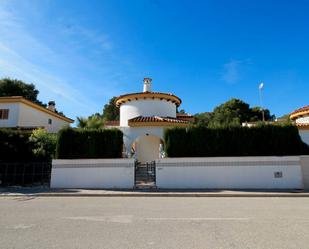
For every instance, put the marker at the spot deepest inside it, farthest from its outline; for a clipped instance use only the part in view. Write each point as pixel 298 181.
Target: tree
pixel 257 114
pixel 96 121
pixel 285 117
pixel 92 122
pixel 82 122
pixel 203 118
pixel 111 111
pixel 181 111
pixel 10 87
pixel 232 113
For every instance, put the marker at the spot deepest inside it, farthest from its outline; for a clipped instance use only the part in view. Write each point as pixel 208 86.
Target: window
pixel 50 121
pixel 4 113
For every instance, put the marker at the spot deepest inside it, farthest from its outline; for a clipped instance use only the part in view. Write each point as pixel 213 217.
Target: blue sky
pixel 81 53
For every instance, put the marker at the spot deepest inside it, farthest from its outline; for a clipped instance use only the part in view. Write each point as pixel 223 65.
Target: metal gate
pixel 145 174
pixel 25 173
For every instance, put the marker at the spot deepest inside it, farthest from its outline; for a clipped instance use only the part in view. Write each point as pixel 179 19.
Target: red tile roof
pixel 112 123
pixel 300 112
pixel 156 121
pixel 154 95
pixel 302 125
pixel 184 115
pixel 305 108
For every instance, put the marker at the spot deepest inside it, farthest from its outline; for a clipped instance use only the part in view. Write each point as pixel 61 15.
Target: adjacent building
pixel 17 112
pixel 301 119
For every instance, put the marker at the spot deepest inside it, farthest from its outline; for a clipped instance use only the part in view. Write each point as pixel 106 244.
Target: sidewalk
pixel 47 192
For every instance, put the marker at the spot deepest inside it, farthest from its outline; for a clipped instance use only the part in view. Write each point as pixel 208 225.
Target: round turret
pixel 146 104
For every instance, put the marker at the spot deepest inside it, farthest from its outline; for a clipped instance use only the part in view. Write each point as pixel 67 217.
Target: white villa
pixel 301 118
pixel 143 118
pixel 17 112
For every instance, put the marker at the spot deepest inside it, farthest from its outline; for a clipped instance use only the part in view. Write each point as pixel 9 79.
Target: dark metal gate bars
pixel 145 173
pixel 25 173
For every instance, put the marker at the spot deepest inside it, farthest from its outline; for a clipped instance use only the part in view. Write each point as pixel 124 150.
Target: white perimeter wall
pixel 305 171
pixel 93 173
pixel 146 107
pixel 229 173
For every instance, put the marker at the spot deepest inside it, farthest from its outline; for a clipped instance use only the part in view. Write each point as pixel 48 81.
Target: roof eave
pixel 20 99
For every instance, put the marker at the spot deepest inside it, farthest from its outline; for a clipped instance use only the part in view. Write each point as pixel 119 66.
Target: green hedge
pixel 267 140
pixel 23 146
pixel 15 146
pixel 88 143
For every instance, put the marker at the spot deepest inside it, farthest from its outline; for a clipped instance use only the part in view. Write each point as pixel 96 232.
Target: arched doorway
pixel 147 148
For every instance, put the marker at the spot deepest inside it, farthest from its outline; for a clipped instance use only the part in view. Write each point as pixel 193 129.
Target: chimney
pixel 51 106
pixel 147 85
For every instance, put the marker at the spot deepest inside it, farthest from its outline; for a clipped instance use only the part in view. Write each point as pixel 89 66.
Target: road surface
pixel 153 222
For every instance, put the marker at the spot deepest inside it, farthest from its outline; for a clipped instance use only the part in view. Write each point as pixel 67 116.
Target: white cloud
pixel 92 36
pixel 25 56
pixel 231 71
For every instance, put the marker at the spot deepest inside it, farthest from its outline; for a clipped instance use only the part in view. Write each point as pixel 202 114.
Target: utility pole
pixel 261 86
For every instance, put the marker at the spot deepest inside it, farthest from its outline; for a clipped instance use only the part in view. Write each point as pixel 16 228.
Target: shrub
pixel 43 144
pixel 89 143
pixel 24 146
pixel 263 140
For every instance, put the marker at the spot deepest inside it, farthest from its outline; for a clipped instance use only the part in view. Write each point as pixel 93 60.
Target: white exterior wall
pixel 147 148
pixel 29 116
pixel 21 115
pixel 304 134
pixel 130 134
pixel 302 120
pixel 229 173
pixel 12 121
pixel 93 173
pixel 146 107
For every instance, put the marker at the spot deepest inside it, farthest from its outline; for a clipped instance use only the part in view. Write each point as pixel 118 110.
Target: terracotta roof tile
pixel 305 108
pixel 300 112
pixel 140 95
pixel 128 94
pixel 157 119
pixel 112 123
pixel 184 115
pixel 302 125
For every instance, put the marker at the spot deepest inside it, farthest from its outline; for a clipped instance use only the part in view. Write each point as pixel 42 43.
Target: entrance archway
pixel 147 148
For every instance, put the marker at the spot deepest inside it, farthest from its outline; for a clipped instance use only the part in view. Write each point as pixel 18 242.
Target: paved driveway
pixel 155 222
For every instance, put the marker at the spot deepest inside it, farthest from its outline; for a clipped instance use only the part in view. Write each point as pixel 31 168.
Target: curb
pixel 159 195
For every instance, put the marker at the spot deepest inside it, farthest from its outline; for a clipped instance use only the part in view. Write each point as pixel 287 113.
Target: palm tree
pixel 92 122
pixel 81 122
pixel 95 122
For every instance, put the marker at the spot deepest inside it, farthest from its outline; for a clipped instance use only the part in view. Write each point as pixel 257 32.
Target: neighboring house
pixel 301 119
pixel 19 113
pixel 143 118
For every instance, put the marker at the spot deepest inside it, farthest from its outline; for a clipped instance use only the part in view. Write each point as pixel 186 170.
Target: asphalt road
pixel 155 222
